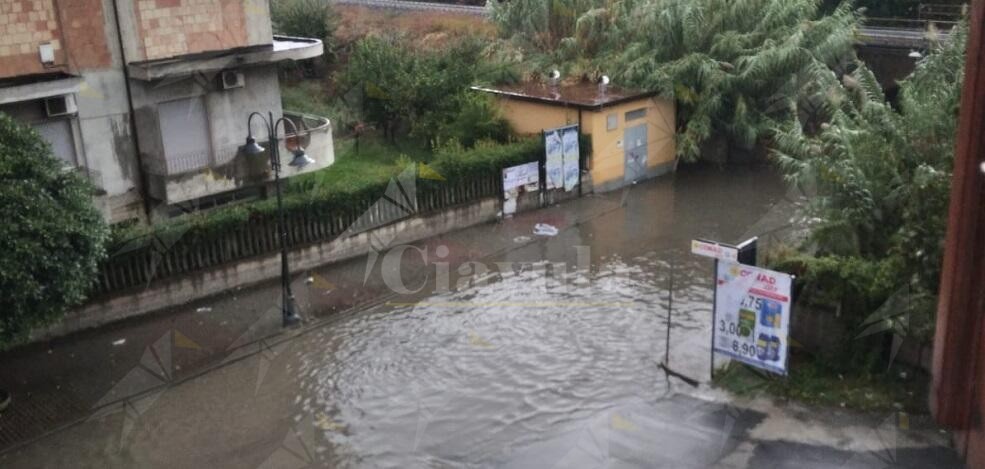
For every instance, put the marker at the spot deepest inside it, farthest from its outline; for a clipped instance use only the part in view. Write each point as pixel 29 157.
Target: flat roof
pixel 38 86
pixel 281 48
pixel 581 95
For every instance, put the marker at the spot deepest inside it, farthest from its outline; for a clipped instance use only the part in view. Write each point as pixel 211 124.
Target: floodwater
pixel 492 374
pixel 499 357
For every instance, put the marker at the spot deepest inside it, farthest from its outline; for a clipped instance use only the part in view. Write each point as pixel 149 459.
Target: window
pixel 636 114
pixel 58 134
pixel 185 134
pixel 612 121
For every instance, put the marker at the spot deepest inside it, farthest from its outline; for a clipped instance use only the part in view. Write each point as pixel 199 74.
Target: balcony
pixel 282 48
pixel 202 174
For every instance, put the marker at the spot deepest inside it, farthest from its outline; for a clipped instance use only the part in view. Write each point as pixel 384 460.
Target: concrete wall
pixel 104 119
pixel 608 155
pixel 227 112
pixel 530 118
pixel 179 291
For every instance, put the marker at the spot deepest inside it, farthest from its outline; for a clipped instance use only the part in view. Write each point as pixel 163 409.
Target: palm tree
pixel 736 67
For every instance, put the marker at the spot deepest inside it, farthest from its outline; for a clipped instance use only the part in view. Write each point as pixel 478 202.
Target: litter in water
pixel 543 229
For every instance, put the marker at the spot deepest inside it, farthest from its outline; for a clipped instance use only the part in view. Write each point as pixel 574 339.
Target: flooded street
pixel 498 356
pixel 482 374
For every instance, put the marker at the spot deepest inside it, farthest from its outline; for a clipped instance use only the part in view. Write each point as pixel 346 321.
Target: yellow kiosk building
pixel 632 131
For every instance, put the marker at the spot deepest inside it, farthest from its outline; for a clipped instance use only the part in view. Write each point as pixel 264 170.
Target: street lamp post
pixel 289 310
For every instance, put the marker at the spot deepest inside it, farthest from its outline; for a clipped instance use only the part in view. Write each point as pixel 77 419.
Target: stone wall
pixel 170 28
pixel 75 29
pixel 24 25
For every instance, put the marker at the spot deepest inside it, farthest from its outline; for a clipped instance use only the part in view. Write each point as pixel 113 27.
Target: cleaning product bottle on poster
pixel 774 348
pixel 763 347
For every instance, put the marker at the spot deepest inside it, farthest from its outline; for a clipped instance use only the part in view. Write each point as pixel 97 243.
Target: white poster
pixel 554 161
pixel 752 315
pixel 527 174
pixel 569 138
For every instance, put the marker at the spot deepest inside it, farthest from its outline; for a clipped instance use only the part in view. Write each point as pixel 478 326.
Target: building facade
pixel 633 132
pixel 150 98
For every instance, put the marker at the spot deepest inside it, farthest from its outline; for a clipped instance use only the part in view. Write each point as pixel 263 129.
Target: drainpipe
pixel 141 176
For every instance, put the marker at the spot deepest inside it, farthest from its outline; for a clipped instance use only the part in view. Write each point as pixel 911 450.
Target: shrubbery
pixel 423 91
pixel 307 195
pixel 737 68
pixel 51 238
pixel 304 18
pixel 882 181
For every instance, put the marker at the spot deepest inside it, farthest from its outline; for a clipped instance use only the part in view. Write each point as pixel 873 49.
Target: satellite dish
pixel 555 75
pixel 604 80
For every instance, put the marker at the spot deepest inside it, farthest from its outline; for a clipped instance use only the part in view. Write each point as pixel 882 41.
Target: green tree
pixel 882 181
pixel 52 237
pixel 424 91
pixel 736 67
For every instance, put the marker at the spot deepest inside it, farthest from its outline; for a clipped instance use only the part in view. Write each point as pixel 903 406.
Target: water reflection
pixel 487 374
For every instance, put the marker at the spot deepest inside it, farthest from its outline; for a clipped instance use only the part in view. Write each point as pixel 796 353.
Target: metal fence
pixel 154 257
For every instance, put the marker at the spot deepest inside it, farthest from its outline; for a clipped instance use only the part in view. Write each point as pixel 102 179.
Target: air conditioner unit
pixel 232 79
pixel 60 106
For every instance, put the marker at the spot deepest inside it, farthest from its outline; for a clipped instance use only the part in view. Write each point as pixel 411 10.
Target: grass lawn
pixel 374 161
pixel 811 382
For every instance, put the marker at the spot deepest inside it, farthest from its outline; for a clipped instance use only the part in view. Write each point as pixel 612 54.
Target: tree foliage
pixel 51 238
pixel 882 182
pixel 423 90
pixel 303 18
pixel 737 67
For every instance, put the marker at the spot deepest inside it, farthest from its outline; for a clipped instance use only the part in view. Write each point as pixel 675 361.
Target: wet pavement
pixel 487 347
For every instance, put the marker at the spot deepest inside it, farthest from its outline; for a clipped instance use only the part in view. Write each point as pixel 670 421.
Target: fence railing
pixel 154 257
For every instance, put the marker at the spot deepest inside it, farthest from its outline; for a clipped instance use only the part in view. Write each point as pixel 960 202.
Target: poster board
pixel 569 139
pixel 516 180
pixel 554 159
pixel 752 315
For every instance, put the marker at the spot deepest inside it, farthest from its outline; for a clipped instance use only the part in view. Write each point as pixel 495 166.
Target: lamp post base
pixel 289 313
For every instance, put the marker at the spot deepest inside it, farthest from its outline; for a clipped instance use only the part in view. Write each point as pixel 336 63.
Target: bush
pixel 425 91
pixel 304 18
pixel 51 238
pixel 321 194
pixel 882 177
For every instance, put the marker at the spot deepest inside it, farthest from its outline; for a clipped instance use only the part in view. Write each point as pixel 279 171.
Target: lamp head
pixel 301 159
pixel 252 147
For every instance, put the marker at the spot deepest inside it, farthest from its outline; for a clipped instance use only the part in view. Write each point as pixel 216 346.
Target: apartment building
pixel 150 98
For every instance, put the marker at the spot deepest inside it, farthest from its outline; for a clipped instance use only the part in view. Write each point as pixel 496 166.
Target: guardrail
pixel 417 6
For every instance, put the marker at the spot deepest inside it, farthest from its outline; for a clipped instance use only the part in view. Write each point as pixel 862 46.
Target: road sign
pixel 752 315
pixel 720 251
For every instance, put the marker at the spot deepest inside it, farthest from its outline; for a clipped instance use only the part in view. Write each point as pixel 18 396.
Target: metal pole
pixel 288 311
pixel 714 306
pixel 670 307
